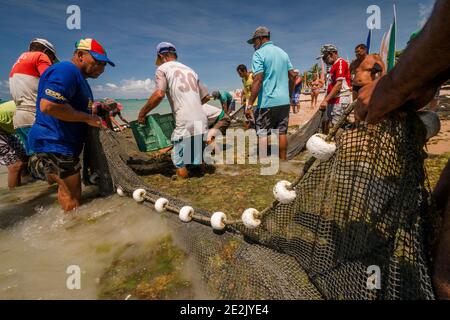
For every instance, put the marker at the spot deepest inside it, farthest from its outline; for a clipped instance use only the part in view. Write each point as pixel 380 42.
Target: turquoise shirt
pixel 225 97
pixel 275 64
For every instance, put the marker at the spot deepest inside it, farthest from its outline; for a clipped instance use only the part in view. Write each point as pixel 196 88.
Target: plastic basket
pixel 155 133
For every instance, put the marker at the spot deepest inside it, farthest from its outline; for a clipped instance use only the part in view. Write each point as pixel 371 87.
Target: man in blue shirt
pixel 63 112
pixel 273 84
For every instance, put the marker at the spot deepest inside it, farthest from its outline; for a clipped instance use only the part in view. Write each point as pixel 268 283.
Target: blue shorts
pixel 188 151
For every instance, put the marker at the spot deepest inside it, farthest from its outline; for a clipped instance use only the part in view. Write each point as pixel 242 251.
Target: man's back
pixel 23 81
pixel 275 64
pixel 181 85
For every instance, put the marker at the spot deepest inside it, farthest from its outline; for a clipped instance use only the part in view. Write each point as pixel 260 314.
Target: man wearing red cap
pixel 63 112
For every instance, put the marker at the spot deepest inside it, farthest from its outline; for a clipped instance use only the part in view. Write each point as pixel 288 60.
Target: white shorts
pixel 336 110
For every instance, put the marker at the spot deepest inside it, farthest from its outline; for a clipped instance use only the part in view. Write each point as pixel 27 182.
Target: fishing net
pixel 297 140
pixel 368 205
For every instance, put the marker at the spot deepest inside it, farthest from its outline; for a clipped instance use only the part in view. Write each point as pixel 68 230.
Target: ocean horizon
pixel 132 106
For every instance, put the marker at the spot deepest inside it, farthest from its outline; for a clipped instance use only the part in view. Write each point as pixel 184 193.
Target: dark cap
pixel 326 49
pixel 259 32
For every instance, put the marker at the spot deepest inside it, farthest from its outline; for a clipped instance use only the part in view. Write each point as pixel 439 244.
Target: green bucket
pixel 155 133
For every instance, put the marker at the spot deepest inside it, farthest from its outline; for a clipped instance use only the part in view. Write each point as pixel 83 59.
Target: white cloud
pixel 111 86
pixel 128 88
pixel 424 13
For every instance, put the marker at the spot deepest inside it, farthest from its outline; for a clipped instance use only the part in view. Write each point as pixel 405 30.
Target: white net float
pixel 139 194
pixel 186 214
pixel 431 122
pixel 249 218
pixel 218 220
pixel 319 148
pixel 282 193
pixel 120 192
pixel 160 204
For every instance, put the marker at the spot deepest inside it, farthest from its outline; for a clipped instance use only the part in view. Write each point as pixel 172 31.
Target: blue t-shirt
pixel 275 64
pixel 61 83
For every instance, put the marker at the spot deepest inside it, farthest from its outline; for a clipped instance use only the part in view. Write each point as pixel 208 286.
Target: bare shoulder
pixel 375 56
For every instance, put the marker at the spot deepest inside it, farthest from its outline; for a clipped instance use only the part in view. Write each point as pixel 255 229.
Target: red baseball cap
pixel 94 48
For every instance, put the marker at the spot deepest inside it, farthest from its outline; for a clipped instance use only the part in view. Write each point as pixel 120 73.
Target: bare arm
pixel 65 112
pixel 336 89
pixel 383 66
pixel 122 118
pixel 292 77
pixel 256 86
pixel 152 102
pixel 225 107
pixel 206 99
pixel 113 120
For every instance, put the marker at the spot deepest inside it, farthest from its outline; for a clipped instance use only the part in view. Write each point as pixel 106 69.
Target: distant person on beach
pixel 63 113
pixel 405 87
pixel 273 84
pixel 338 94
pixel 316 86
pixel 365 69
pixel 247 81
pixel 23 85
pixel 296 94
pixel 226 99
pixel 12 154
pixel 108 110
pixel 185 92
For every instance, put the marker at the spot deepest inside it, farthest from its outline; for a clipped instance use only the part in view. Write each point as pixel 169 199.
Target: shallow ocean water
pixel 38 242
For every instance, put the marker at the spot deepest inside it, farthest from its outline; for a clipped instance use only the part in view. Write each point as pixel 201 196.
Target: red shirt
pixel 24 77
pixel 339 71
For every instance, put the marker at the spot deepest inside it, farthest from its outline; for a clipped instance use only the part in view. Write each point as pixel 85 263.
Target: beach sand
pixel 306 112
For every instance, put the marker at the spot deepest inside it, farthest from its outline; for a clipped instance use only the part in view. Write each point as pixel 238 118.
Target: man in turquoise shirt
pixel 273 83
pixel 226 100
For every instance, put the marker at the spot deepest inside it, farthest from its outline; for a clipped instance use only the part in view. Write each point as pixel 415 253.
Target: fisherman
pixel 184 91
pixel 273 84
pixel 365 68
pixel 116 111
pixel 218 119
pixel 405 87
pixel 338 94
pixel 23 84
pixel 247 81
pixel 295 99
pixel 12 154
pixel 108 110
pixel 63 112
pixel 226 100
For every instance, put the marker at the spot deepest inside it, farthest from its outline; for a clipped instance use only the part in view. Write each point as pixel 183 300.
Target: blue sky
pixel 210 35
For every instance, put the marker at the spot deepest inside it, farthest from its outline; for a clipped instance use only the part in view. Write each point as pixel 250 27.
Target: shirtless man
pixel 365 68
pixel 316 85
